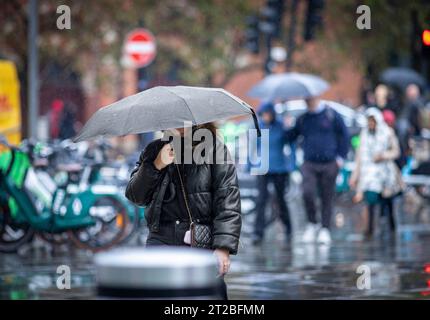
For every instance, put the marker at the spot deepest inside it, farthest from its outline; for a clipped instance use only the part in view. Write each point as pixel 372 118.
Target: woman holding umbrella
pixel 176 192
pixel 194 203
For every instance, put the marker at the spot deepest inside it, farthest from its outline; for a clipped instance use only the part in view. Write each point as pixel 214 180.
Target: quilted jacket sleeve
pixel 226 206
pixel 144 177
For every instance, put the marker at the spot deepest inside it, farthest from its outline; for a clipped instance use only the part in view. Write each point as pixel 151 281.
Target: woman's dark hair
pixel 211 126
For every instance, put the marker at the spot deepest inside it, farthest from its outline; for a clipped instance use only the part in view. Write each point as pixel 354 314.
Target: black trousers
pixel 280 181
pixel 172 234
pixel 319 179
pixel 387 208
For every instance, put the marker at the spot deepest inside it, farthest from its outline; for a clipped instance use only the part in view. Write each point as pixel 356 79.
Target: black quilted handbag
pixel 201 234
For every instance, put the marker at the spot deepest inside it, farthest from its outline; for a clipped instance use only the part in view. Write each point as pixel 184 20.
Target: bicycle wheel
pixel 12 235
pixel 111 220
pixel 132 227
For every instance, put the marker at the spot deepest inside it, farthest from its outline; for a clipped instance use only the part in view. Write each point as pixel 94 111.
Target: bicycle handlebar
pixel 3 141
pixel 58 148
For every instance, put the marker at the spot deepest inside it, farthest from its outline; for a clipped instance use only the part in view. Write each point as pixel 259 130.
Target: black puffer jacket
pixel 212 192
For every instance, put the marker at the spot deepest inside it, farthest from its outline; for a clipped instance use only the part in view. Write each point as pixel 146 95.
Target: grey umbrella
pixel 289 86
pixel 162 108
pixel 401 77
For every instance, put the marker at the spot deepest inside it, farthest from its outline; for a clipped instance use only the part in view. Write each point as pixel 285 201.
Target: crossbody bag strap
pixel 184 194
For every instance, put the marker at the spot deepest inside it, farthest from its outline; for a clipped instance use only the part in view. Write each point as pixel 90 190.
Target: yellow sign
pixel 10 109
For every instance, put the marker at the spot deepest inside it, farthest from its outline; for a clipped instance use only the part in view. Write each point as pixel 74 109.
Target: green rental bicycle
pixel 93 218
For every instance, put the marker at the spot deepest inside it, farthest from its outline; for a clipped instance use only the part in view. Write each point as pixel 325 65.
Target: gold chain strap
pixel 184 194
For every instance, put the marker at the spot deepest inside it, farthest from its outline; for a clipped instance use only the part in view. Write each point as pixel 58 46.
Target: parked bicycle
pixel 93 167
pixel 94 217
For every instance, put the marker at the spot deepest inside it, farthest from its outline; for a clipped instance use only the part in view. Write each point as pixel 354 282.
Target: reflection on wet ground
pixel 399 265
pixel 34 275
pixel 398 270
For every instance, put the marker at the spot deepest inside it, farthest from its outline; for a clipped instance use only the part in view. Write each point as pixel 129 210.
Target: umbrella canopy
pixel 289 86
pixel 162 108
pixel 402 77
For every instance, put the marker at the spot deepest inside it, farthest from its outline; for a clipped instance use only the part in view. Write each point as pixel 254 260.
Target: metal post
pixel 33 68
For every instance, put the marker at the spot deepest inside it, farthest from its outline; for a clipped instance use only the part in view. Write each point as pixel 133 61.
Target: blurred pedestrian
pixel 172 191
pixel 382 97
pixel 55 113
pixel 277 173
pixel 325 146
pixel 414 118
pixel 390 119
pixel 67 121
pixel 376 178
pixel 418 114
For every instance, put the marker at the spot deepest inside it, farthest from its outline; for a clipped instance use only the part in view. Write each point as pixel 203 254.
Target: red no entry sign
pixel 140 48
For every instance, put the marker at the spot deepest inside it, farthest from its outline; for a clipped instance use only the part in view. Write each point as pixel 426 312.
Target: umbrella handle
pixel 254 116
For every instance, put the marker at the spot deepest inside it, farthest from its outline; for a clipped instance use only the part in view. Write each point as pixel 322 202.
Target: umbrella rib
pixel 192 115
pixel 128 117
pixel 242 103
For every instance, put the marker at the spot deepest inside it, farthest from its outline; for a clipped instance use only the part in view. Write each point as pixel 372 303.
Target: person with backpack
pixel 325 145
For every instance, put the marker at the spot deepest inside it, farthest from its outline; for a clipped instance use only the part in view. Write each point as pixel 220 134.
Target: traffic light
pixel 252 34
pixel 314 18
pixel 425 43
pixel 271 15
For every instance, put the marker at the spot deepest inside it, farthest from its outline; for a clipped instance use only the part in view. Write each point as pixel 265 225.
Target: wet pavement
pixel 399 265
pixel 398 271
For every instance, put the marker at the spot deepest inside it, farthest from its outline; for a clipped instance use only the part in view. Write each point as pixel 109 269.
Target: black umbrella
pixel 162 108
pixel 402 77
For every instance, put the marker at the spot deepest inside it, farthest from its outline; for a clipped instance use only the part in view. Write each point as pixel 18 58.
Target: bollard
pixel 157 273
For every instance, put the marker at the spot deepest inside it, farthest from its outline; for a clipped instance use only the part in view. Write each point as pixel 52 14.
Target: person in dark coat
pixel 211 189
pixel 325 146
pixel 414 106
pixel 278 172
pixel 67 121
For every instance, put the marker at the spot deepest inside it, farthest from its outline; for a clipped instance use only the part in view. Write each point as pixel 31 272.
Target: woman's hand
pixel 340 162
pixel 164 157
pixel 353 181
pixel 358 197
pixel 223 256
pixel 379 158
